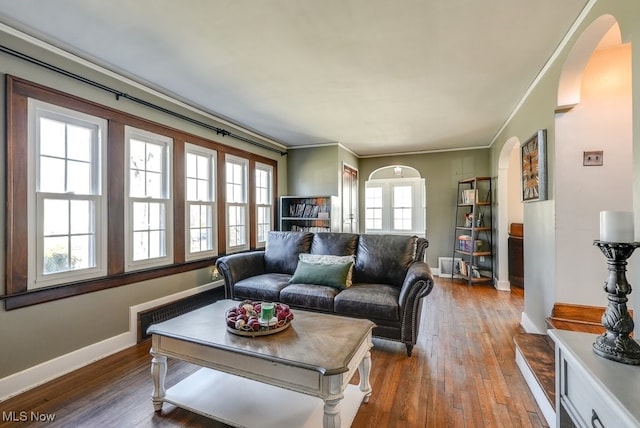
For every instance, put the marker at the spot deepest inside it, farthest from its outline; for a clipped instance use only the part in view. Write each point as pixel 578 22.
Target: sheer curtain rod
pixel 119 94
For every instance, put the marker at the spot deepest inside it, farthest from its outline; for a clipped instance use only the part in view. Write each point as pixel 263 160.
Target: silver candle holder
pixel 615 343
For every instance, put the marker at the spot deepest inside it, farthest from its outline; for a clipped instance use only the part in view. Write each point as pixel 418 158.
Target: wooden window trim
pixel 18 91
pixel 253 167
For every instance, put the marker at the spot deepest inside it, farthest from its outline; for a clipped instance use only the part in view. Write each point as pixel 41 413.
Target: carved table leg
pixel 331 418
pixel 158 372
pixel 365 369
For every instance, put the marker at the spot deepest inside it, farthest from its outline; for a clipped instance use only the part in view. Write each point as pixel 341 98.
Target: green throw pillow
pixel 327 259
pixel 334 275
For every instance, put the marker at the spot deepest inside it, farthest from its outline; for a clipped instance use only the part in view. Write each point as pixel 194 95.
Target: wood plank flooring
pixel 462 374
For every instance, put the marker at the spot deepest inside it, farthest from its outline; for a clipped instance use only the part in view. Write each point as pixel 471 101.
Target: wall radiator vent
pixel 173 309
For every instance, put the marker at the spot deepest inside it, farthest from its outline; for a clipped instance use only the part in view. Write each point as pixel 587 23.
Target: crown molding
pixel 130 82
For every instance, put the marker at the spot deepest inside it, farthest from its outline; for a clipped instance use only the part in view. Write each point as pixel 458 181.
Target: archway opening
pixel 510 207
pixel 600 121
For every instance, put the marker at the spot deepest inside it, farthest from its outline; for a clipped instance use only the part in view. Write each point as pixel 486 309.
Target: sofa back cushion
pixel 337 244
pixel 384 259
pixel 283 249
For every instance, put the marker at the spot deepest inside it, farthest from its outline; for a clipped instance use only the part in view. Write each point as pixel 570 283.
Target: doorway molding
pixel 502 226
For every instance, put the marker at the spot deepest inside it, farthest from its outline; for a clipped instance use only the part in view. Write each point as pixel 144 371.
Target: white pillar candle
pixel 616 226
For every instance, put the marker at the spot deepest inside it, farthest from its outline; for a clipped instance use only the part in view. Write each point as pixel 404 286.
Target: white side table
pixel 592 391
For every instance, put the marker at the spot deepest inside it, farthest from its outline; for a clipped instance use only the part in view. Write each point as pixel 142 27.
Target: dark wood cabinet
pixel 516 256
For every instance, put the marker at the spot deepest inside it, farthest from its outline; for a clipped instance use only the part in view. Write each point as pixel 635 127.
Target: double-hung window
pixel 264 202
pixel 237 203
pixel 200 173
pixel 67 187
pixel 402 207
pixel 374 206
pixel 395 206
pixel 148 204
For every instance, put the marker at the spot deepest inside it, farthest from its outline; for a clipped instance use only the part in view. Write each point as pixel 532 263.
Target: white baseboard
pixel 538 394
pixel 31 377
pixel 503 285
pixel 528 325
pixel 44 372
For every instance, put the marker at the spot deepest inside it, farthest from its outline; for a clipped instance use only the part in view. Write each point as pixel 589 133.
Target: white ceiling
pixel 377 76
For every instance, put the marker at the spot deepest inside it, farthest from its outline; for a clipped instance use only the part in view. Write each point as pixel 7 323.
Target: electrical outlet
pixel 592 158
pixel 481 258
pixel 215 274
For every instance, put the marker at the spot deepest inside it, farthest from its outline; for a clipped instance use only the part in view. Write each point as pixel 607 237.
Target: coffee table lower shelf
pixel 243 402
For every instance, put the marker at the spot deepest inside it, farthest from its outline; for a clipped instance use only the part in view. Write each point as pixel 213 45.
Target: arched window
pixel 395 201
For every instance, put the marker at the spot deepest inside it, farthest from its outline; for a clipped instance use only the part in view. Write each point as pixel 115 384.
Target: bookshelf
pixel 310 213
pixel 473 231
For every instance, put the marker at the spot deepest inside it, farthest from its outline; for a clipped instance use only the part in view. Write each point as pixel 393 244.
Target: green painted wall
pixel 441 172
pixel 43 332
pixel 317 171
pixel 313 171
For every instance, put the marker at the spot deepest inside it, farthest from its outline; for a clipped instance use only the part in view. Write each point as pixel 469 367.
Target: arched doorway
pixel 510 208
pixel 594 114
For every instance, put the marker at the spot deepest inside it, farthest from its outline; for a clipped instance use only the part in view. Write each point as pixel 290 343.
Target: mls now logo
pixel 27 417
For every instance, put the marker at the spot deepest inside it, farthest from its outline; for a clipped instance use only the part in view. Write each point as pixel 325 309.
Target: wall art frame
pixel 533 167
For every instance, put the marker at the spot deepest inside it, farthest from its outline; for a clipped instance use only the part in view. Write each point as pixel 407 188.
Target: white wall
pixel 601 121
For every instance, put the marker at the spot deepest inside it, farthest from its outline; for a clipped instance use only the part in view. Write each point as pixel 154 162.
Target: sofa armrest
pixel 418 283
pixel 236 267
pixel 421 249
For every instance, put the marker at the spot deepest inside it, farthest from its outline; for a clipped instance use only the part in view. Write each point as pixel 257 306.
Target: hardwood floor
pixel 462 374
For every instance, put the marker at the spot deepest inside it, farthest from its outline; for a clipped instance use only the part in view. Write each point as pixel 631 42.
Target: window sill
pixel 43 295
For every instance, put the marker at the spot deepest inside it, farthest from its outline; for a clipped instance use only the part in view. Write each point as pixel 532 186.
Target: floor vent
pixel 173 309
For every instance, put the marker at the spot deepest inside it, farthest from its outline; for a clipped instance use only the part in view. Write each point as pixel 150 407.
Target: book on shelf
pixel 307 211
pixel 300 210
pixel 312 229
pixel 469 196
pixel 468 270
pixel 307 208
pixel 323 211
pixel 465 244
pixel 462 267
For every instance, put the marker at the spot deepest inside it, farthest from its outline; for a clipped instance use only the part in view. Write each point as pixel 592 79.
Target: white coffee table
pixel 298 377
